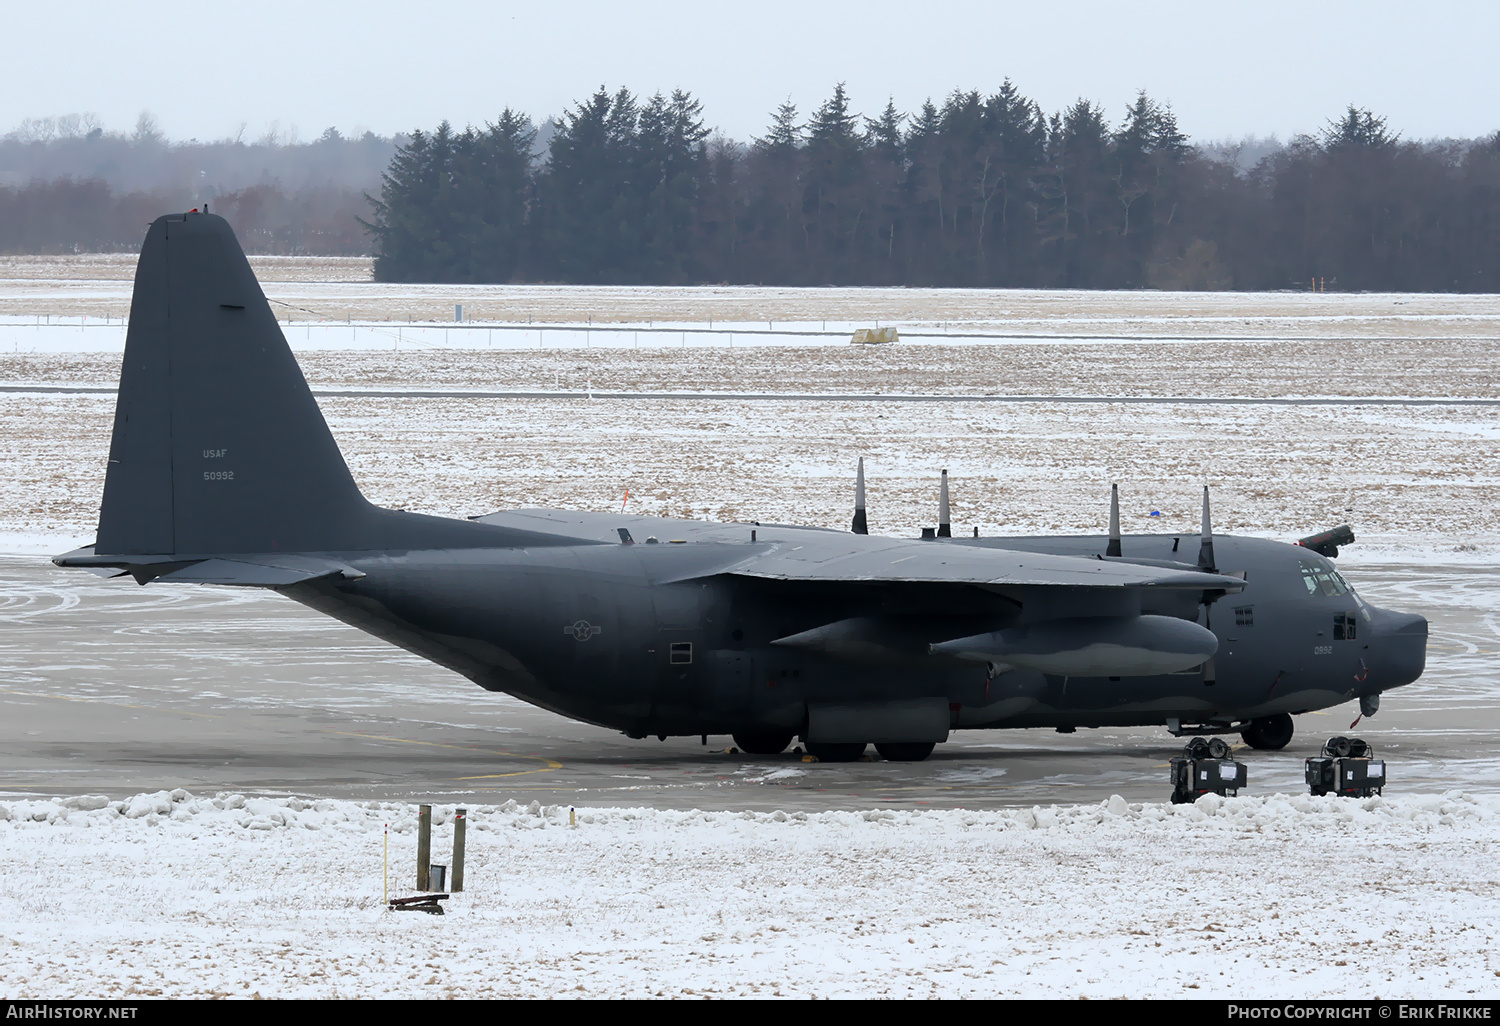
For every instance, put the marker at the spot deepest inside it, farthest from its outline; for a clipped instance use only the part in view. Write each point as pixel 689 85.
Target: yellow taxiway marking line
pixel 551 765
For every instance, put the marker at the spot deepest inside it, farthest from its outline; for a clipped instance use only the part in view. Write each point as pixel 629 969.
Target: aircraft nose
pixel 1402 646
pixel 1402 625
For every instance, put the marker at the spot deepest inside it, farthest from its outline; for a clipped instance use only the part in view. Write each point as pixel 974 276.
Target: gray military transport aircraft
pixel 222 471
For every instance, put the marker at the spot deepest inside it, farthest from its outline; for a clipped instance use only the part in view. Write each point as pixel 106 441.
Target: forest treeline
pixel 86 216
pixel 983 191
pixel 66 185
pixel 979 190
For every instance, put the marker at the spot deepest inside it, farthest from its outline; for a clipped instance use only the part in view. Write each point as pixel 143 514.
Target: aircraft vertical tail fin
pixel 218 444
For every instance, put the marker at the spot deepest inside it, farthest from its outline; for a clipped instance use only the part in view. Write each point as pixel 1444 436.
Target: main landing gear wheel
pixel 1269 733
pixel 763 742
pixel 905 751
pixel 839 752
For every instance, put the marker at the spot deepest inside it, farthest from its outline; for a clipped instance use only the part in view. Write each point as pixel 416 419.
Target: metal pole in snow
pixel 460 818
pixel 424 845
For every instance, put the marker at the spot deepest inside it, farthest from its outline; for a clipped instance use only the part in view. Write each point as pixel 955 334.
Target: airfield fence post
pixel 460 818
pixel 424 844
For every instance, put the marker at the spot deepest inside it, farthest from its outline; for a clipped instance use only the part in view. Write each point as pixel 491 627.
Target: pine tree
pixel 495 195
pixel 406 217
pixel 1358 129
pixel 832 190
pixel 590 195
pixel 671 165
pixel 924 197
pixel 885 163
pixel 1017 125
pixel 785 136
pixel 775 237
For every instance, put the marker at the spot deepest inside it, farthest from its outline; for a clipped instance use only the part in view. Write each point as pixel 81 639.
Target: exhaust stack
pixel 1206 546
pixel 945 521
pixel 859 526
pixel 1114 521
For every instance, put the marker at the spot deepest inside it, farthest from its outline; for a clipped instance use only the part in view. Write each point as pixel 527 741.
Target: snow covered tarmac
pixel 169 895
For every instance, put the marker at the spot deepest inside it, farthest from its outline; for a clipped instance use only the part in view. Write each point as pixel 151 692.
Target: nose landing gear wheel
pixel 905 751
pixel 762 742
pixel 1269 733
pixel 839 752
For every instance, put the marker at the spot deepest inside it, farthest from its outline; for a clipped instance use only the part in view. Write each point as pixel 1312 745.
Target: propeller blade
pixel 945 524
pixel 859 526
pixel 1114 521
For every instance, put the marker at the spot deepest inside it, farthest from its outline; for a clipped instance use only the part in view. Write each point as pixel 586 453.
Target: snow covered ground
pixel 1266 896
pixel 1411 480
pixel 314 289
pixel 169 895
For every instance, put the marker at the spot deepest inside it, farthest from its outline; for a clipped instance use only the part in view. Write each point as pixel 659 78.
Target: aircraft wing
pixel 788 553
pixel 889 560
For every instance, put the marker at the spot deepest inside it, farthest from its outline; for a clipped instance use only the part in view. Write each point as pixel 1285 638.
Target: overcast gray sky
pixel 1228 69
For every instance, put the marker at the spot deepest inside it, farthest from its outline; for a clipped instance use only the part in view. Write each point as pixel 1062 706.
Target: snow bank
pixel 230 814
pixel 172 894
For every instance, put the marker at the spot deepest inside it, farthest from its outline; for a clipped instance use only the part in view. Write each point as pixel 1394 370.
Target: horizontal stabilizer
pixel 258 570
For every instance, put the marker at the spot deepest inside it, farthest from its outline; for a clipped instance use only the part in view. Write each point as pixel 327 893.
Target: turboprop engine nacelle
pixel 1092 646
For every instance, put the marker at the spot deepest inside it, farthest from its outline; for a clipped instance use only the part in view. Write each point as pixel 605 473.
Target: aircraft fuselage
pixel 611 634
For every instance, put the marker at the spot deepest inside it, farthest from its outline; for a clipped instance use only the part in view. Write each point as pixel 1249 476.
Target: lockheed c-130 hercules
pixel 222 471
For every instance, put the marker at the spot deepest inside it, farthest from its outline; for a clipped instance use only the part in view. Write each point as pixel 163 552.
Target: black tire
pixel 905 751
pixel 1269 733
pixel 840 752
pixel 763 742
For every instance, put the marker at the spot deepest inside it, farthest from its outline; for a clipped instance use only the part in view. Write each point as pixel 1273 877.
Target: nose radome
pixel 1408 625
pixel 1400 651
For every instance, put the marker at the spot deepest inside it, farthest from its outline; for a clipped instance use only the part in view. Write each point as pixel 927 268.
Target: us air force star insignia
pixel 582 630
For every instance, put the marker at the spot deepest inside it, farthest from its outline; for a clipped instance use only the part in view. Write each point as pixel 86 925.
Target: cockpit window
pixel 1322 580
